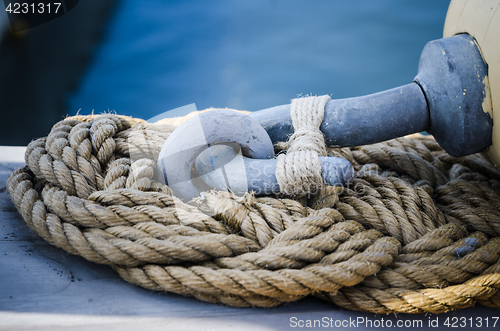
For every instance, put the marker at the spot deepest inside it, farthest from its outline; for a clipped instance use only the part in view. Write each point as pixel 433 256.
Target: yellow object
pixel 481 19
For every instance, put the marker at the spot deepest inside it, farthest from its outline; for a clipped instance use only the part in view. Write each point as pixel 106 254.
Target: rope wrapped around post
pixel 416 231
pixel 299 170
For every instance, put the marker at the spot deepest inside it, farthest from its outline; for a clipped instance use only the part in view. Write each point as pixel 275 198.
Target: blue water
pixel 159 55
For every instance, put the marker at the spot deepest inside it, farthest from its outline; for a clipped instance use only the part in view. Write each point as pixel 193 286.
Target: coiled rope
pixel 416 231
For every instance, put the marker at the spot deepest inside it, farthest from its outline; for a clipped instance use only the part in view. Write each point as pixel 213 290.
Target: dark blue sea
pixel 159 55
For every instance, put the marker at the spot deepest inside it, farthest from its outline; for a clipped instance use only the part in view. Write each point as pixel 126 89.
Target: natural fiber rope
pixel 416 231
pixel 298 172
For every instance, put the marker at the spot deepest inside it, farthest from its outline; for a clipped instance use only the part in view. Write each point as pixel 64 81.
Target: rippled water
pixel 159 55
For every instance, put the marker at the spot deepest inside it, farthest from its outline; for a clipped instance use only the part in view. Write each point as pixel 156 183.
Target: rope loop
pixel 416 231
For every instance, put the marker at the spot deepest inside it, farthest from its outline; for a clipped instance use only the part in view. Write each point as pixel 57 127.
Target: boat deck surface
pixel 42 287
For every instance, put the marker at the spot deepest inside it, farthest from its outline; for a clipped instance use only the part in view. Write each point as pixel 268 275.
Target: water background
pixel 160 55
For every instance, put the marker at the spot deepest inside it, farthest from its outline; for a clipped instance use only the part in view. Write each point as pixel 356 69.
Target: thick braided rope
pixel 417 231
pixel 299 170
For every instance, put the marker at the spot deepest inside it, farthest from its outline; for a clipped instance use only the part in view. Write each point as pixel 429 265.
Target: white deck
pixel 42 287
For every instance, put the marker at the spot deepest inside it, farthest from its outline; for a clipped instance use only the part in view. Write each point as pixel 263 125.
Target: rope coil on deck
pixel 416 231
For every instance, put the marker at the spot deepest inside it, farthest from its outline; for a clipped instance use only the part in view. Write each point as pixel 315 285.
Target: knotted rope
pixel 299 171
pixel 416 231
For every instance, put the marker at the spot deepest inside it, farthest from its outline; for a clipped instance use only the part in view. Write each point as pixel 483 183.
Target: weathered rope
pixel 299 170
pixel 416 231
